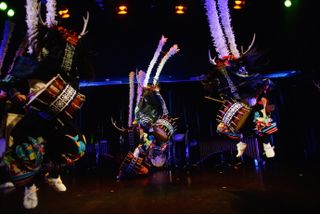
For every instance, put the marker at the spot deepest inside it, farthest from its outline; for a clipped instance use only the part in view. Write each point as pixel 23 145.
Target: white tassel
pixel 173 50
pixel 215 29
pixel 226 23
pixel 32 21
pixel 51 13
pixel 141 77
pixel 154 60
pixel 131 97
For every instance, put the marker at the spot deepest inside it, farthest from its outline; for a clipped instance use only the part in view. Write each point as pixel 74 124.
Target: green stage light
pixel 3 6
pixel 10 13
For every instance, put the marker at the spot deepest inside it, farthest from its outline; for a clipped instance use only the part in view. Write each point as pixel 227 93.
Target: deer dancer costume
pixel 46 137
pixel 242 91
pixel 151 120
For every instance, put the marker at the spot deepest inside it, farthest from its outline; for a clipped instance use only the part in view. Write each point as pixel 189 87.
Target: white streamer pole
pixel 215 29
pixel 32 21
pixel 51 13
pixel 131 97
pixel 154 60
pixel 173 50
pixel 141 77
pixel 226 23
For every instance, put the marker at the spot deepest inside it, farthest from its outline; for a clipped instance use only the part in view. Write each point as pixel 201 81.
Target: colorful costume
pixel 151 121
pixel 241 90
pixel 44 82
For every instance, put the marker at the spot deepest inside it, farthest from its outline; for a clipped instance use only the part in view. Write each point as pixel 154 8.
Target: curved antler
pixel 115 125
pixel 316 84
pixel 212 61
pixel 85 24
pixel 250 46
pixel 39 14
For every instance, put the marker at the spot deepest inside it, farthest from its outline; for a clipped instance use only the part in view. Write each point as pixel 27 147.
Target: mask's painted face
pixel 151 100
pixel 150 107
pixel 53 41
pixel 237 67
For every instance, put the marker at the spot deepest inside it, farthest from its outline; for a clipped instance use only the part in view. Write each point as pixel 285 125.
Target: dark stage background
pixel 118 45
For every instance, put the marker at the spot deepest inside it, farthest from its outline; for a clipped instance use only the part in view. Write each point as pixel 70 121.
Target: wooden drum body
pixel 232 116
pixel 57 98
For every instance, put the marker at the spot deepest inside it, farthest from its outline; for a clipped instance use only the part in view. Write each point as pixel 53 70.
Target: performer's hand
pixel 3 95
pixel 20 98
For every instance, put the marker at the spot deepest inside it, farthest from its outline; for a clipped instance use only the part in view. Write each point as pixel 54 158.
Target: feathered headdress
pixel 173 50
pixel 34 22
pixel 237 68
pixel 51 13
pixel 221 30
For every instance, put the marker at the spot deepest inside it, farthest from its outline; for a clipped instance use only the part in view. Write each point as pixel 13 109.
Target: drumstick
pixel 210 98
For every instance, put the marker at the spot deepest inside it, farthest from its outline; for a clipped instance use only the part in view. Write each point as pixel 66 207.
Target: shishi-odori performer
pixel 152 122
pixel 235 80
pixel 46 136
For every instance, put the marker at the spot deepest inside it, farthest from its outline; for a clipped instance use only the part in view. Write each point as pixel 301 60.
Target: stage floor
pixel 277 187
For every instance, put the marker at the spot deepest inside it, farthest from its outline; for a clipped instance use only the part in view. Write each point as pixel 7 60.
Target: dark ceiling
pixel 124 43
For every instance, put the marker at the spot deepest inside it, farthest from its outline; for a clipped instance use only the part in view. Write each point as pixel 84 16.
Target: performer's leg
pixel 26 143
pixel 267 145
pixel 53 159
pixel 54 180
pixel 65 146
pixel 30 199
pixel 241 147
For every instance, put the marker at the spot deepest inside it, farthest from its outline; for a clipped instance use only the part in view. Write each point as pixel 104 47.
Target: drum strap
pixel 68 57
pixel 230 83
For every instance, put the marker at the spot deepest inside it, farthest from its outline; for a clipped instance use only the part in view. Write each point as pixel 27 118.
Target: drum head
pixel 157 156
pixel 36 95
pixel 160 134
pixel 159 160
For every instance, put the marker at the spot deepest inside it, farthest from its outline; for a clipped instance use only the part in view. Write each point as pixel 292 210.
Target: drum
pixel 164 128
pixel 132 166
pixel 232 116
pixel 57 98
pixel 157 154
